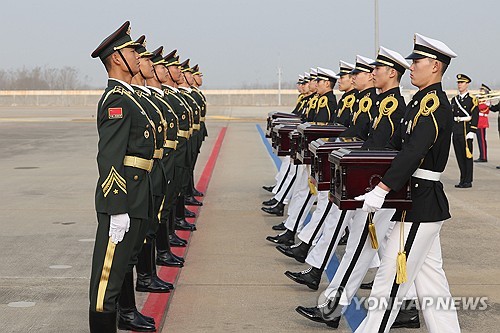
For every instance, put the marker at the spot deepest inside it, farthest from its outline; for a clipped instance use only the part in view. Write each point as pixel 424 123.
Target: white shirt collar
pixel 185 88
pixel 128 86
pixel 173 88
pixel 146 90
pixel 159 91
pixel 464 94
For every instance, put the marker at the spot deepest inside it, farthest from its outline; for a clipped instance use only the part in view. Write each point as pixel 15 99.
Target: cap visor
pixel 356 71
pixel 376 63
pixel 415 56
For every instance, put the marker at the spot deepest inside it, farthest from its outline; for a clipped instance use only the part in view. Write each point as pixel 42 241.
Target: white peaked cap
pixel 345 68
pixel 326 74
pixel 392 59
pixel 363 64
pixel 426 47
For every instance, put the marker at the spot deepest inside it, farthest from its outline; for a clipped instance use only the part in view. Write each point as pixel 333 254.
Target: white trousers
pixel 301 202
pixel 284 189
pixel 316 224
pixel 333 230
pixel 359 255
pixel 280 176
pixel 424 268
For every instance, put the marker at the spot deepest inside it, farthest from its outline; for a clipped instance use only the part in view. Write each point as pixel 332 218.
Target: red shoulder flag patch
pixel 115 113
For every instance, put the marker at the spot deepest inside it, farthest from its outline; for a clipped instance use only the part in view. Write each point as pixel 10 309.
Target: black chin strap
pixel 156 74
pixel 126 63
pixel 142 74
pixel 185 78
pixel 197 83
pixel 170 74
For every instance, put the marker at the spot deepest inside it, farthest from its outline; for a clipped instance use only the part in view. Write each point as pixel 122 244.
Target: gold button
pixel 147 126
pixel 136 177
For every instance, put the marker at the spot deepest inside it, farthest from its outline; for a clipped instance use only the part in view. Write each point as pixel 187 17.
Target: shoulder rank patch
pixel 115 113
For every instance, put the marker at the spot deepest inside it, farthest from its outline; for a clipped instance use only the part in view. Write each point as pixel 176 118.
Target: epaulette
pixel 118 90
pixel 428 105
pixel 139 92
pixel 365 103
pixel 475 101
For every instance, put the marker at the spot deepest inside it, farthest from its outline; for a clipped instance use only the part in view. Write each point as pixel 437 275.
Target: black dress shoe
pixel 176 241
pixel 277 210
pixel 182 224
pixel 498 166
pixel 191 201
pixel 268 188
pixel 464 185
pixel 315 315
pixel 152 284
pixel 366 286
pixel 167 258
pixel 188 213
pixel 407 317
pixel 181 259
pixel 197 193
pixel 134 321
pixel 280 226
pixel 286 238
pixel 311 277
pixel 480 160
pixel 297 251
pixel 272 202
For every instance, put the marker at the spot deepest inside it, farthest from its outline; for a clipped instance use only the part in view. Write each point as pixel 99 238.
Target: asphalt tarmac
pixel 233 279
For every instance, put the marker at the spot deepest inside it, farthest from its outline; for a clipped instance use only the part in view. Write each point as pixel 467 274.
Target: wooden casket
pixel 294 147
pixel 281 115
pixel 357 171
pixel 281 121
pixel 310 132
pixel 320 166
pixel 281 138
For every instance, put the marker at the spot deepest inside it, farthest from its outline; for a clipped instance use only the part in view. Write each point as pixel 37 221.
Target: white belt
pixel 483 114
pixel 427 174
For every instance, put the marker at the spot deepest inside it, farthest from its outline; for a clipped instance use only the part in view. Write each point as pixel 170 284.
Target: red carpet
pixel 156 304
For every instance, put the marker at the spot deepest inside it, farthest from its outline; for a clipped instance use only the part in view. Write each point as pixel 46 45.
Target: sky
pixel 240 43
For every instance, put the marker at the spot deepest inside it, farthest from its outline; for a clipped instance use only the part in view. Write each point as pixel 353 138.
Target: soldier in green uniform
pixel 196 138
pixel 165 257
pixel 173 96
pixel 147 279
pixel 202 103
pixel 125 159
pixel 197 83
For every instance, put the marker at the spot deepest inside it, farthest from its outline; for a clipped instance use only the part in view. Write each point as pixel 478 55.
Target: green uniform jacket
pixel 203 106
pixel 124 129
pixel 157 174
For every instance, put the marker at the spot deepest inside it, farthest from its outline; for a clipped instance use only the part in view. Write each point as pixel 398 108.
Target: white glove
pixel 373 199
pixel 118 226
pixel 470 135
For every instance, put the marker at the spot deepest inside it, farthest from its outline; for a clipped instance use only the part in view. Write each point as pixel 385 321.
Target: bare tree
pixel 42 78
